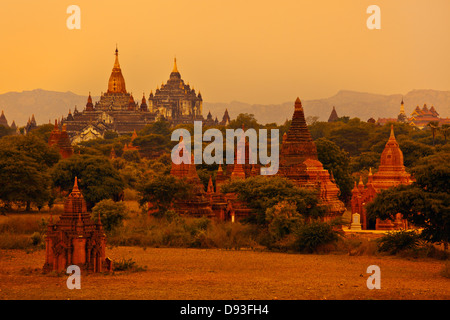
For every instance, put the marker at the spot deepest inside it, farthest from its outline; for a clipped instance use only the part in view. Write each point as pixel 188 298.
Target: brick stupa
pixel 60 140
pixel 391 173
pixel 299 162
pixel 75 239
pixel 199 204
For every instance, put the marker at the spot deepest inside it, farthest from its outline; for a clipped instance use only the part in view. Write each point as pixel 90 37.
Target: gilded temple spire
pixel 175 69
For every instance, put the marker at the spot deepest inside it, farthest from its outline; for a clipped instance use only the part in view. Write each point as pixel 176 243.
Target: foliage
pixel 162 191
pixel 245 120
pixel 335 160
pixel 131 156
pixel 263 192
pixel 394 242
pixel 111 213
pixel 23 179
pixel 160 127
pixel 310 236
pixel 127 265
pixel 97 178
pixel 282 219
pixel 425 203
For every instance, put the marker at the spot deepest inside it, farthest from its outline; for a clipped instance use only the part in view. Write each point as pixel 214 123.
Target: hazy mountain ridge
pixel 49 105
pixel 348 103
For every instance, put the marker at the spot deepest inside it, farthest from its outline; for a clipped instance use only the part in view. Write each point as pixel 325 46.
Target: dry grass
pixel 196 274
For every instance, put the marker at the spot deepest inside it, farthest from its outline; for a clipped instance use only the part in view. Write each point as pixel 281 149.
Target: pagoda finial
pixel 175 69
pixel 298 104
pixel 392 136
pixel 75 185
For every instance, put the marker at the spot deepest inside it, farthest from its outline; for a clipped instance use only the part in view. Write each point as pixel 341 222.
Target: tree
pixel 111 213
pixel 351 136
pixel 425 203
pixel 34 147
pixel 131 156
pixel 163 191
pixel 434 126
pixel 5 131
pixel 161 127
pixel 25 162
pixel 261 193
pixel 23 179
pixel 244 119
pixel 97 177
pixel 336 160
pixel 445 131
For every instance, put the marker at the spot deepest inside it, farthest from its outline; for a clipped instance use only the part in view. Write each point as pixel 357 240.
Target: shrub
pixel 36 239
pixel 312 235
pixel 111 213
pixel 282 219
pixel 445 272
pixel 395 242
pixel 127 265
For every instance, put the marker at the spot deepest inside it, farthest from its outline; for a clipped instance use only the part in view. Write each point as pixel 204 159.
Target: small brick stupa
pixel 61 140
pixel 75 239
pixel 199 204
pixel 299 162
pixel 391 173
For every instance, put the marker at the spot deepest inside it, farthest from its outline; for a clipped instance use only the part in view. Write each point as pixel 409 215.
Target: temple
pixel 176 101
pixel 402 115
pixel 420 118
pixel 3 121
pixel 333 116
pixel 391 173
pixel 299 163
pixel 60 140
pixel 75 239
pixel 115 111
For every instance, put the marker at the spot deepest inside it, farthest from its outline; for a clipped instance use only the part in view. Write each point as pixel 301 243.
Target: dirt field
pixel 194 274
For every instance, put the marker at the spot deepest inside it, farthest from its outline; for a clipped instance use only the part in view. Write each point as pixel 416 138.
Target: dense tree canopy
pixel 97 177
pixel 335 160
pixel 263 192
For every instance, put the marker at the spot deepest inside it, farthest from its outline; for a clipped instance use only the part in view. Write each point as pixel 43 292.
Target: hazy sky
pixel 253 51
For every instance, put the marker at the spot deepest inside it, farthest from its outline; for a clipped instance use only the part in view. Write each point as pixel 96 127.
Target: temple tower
pixel 299 162
pixel 391 173
pixel 75 238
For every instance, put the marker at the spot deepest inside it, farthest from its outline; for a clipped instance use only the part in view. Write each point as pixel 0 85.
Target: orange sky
pixel 254 51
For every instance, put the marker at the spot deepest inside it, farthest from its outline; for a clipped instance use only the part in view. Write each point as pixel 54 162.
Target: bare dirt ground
pixel 195 274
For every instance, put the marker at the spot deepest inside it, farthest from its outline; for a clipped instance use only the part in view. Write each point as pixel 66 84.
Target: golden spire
pixel 392 136
pixel 175 69
pixel 116 82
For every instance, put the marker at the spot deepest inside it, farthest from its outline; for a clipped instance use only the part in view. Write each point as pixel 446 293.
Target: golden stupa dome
pixel 116 83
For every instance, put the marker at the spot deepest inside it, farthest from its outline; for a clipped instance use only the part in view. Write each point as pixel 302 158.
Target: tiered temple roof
pixel 60 139
pixel 391 173
pixel 333 116
pixel 176 101
pixel 115 111
pixel 3 121
pixel 75 239
pixel 299 162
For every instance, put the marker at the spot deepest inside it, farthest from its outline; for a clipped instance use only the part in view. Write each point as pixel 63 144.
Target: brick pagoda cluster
pixel 298 162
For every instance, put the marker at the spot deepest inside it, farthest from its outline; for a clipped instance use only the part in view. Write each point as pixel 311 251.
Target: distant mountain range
pixel 49 105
